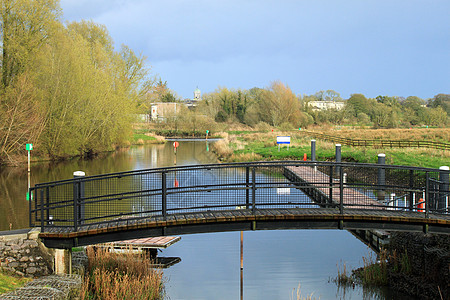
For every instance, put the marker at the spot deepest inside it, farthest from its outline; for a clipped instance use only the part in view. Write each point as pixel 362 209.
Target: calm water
pixel 275 262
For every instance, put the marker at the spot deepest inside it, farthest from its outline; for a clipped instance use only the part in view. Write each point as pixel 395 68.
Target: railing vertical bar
pixel 253 189
pixel 247 185
pixel 164 195
pixel 76 194
pixel 331 186
pixel 341 190
pixel 47 203
pixel 411 193
pixel 427 194
pixel 42 210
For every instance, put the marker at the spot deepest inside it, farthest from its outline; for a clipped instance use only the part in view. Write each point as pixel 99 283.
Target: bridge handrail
pixel 232 164
pixel 64 202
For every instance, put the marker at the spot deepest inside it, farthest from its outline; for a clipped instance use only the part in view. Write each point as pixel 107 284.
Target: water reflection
pixel 13 180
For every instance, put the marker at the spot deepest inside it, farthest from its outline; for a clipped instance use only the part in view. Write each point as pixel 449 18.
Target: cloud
pixel 375 47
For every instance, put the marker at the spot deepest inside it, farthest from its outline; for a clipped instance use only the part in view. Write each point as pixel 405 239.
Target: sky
pixel 373 47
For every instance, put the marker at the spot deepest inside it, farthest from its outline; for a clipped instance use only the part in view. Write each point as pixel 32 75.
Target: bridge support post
pixel 443 202
pixel 63 261
pixel 338 158
pixel 78 195
pixel 381 176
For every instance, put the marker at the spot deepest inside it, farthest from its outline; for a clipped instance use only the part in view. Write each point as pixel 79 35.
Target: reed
pixel 120 276
pixel 299 296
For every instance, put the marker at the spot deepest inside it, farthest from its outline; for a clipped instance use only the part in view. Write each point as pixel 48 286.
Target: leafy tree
pixel 414 103
pixel 442 100
pixel 358 103
pixel 279 104
pixel 24 27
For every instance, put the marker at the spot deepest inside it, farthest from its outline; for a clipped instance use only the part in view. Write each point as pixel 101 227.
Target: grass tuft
pixel 9 283
pixel 120 276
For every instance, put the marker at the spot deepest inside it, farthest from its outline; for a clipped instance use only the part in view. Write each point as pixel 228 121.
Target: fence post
pixel 247 185
pixel 381 176
pixel 164 195
pixel 253 189
pixel 443 202
pixel 338 158
pixel 80 196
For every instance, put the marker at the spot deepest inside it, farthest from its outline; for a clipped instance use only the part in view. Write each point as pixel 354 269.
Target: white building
pixel 325 105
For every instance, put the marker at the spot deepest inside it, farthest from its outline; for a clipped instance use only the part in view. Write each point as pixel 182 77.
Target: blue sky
pixel 396 47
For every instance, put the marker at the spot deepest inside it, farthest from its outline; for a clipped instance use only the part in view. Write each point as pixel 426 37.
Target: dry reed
pixel 120 276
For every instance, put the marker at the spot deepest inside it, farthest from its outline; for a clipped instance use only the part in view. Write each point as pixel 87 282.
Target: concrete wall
pixel 21 253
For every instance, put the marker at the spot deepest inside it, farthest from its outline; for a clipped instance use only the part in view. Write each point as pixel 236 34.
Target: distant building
pixel 191 103
pixel 326 105
pixel 162 110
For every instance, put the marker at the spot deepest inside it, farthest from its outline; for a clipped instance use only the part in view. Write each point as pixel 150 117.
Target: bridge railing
pixel 252 186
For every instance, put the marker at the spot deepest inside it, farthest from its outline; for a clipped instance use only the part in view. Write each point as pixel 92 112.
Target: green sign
pixel 207 131
pixel 29 196
pixel 29 147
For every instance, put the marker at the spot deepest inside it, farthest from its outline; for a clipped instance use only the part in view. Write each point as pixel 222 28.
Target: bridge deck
pixel 245 219
pixel 319 180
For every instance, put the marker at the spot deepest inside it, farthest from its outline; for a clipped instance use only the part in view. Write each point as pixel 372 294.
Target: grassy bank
pixel 9 283
pixel 142 136
pixel 253 146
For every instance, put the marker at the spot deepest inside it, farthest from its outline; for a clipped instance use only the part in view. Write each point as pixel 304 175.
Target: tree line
pixel 278 106
pixel 64 88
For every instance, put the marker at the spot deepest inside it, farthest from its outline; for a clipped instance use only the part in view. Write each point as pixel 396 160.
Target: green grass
pixel 141 136
pixel 9 283
pixel 428 158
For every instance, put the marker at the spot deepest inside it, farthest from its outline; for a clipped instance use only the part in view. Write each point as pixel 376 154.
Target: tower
pixel 197 94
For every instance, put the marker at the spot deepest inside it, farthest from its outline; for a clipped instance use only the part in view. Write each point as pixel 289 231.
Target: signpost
pixel 283 140
pixel 207 132
pixel 29 147
pixel 175 146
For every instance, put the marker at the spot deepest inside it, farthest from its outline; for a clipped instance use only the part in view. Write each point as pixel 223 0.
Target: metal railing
pixel 380 143
pixel 201 188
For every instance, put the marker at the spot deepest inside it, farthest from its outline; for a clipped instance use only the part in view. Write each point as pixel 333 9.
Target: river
pixel 276 263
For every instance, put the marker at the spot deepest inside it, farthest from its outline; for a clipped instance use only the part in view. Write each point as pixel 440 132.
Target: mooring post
pixel 443 202
pixel 79 196
pixel 381 176
pixel 338 158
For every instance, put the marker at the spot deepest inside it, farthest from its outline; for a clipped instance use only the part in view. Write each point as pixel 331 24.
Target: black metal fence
pixel 286 184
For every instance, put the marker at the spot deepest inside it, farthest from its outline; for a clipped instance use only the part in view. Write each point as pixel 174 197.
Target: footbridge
pixel 240 196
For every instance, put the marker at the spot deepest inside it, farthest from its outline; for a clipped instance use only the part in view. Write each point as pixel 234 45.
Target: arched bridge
pixel 240 196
